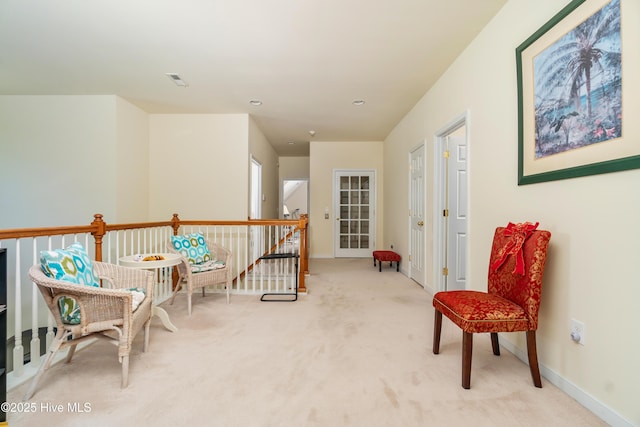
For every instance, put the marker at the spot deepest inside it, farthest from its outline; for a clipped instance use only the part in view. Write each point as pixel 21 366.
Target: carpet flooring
pixel 354 351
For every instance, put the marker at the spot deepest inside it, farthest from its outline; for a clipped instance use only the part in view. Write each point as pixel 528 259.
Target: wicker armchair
pixel 105 312
pixel 195 280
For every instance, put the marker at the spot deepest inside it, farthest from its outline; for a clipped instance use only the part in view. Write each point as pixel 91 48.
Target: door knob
pixel 420 223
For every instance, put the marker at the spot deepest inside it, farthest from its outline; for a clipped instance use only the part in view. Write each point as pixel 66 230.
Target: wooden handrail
pixel 20 233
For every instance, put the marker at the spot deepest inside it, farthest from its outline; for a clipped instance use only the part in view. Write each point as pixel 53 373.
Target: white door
pixel 256 190
pixel 417 197
pixel 457 209
pixel 256 238
pixel 354 201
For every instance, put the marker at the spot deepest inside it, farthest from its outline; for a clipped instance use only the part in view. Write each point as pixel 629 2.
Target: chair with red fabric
pixel 512 302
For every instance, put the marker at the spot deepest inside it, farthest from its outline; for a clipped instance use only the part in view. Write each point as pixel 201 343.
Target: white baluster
pixel 243 253
pixel 117 237
pixel 35 336
pixel 50 321
pixel 18 350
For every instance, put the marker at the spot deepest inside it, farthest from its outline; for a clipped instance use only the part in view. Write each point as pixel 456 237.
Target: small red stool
pixel 386 256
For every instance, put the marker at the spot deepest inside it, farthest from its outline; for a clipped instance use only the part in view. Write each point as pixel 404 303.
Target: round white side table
pixel 135 261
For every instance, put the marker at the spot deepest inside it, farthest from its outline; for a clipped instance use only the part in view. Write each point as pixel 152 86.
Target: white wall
pixel 132 154
pixel 58 162
pixel 198 166
pixel 328 156
pixel 595 243
pixel 293 167
pixel 65 158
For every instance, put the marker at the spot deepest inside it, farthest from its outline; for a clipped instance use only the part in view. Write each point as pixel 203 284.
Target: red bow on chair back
pixel 519 233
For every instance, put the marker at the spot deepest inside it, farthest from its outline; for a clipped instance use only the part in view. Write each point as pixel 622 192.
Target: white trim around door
pixel 451 246
pixel 354 201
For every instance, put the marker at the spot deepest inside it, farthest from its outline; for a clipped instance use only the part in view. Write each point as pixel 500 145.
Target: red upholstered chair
pixel 511 304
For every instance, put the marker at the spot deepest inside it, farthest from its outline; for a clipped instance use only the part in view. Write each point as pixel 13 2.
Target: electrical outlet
pixel 578 333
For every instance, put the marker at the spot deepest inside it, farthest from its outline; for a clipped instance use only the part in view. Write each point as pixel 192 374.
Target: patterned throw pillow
pixel 72 265
pixel 193 247
pixel 138 296
pixel 207 266
pixel 69 310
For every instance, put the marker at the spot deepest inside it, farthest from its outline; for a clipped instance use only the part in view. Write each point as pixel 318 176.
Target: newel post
pixel 175 224
pixel 303 225
pixel 98 234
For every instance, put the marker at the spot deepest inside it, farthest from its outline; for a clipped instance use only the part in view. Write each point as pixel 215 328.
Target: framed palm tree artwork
pixel 578 93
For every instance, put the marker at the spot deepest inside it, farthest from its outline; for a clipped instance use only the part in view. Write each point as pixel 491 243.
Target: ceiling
pixel 306 60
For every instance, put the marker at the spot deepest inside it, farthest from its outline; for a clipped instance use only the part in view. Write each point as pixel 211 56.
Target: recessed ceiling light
pixel 177 80
pixel 358 102
pixel 291 142
pixel 255 102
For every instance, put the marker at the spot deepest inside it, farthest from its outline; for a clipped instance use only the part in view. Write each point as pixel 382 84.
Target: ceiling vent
pixel 177 80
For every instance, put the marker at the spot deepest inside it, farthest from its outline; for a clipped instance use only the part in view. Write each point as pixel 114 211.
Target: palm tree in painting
pixel 581 68
pixel 587 54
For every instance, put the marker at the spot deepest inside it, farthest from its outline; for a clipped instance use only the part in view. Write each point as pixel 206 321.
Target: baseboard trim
pixel 604 412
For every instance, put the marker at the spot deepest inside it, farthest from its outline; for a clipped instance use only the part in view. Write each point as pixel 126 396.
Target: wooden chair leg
pixel 437 328
pixel 495 345
pixel 533 358
pixel 467 351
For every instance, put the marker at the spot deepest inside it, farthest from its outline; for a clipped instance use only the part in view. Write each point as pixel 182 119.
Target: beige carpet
pixel 354 351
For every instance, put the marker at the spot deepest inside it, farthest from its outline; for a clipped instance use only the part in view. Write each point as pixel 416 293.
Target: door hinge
pixel 445 154
pixel 445 271
pixel 445 213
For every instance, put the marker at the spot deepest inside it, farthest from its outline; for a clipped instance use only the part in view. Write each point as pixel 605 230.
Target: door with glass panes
pixel 354 202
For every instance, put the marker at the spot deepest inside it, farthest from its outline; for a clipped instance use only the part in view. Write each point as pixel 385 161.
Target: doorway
pixel 451 205
pixel 256 237
pixel 295 198
pixel 354 193
pixel 255 210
